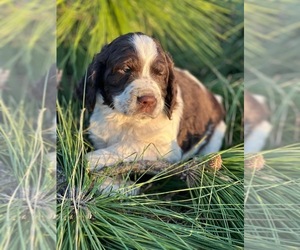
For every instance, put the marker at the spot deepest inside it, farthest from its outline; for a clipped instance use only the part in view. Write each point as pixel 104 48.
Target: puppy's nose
pixel 147 100
pixel 147 103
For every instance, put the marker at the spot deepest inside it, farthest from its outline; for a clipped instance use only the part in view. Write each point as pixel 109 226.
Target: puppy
pixel 145 109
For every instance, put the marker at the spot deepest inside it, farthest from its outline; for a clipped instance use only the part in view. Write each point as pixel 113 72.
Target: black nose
pixel 147 103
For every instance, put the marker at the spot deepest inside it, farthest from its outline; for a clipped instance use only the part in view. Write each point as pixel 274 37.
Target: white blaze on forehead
pixel 146 50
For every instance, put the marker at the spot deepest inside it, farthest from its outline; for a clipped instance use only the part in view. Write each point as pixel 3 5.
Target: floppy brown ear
pixel 170 100
pixel 92 82
pixel 86 89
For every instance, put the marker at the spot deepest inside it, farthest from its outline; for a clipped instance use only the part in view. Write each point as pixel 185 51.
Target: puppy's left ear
pixel 170 100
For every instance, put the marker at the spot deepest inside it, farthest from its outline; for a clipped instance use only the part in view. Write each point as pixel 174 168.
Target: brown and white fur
pixel 144 108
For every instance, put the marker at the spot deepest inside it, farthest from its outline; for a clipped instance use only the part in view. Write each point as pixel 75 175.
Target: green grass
pixel 168 214
pixel 271 64
pixel 271 201
pixel 27 197
pixel 27 182
pixel 272 194
pixel 84 29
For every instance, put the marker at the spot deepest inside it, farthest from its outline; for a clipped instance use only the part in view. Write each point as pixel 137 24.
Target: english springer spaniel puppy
pixel 145 109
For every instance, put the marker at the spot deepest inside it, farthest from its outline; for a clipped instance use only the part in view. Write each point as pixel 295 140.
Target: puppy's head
pixel 133 75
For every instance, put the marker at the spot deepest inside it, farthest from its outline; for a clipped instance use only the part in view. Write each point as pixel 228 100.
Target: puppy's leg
pixel 118 153
pixel 216 139
pixel 131 152
pixel 109 156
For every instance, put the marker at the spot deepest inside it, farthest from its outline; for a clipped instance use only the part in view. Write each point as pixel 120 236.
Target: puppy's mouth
pixel 144 116
pixel 140 114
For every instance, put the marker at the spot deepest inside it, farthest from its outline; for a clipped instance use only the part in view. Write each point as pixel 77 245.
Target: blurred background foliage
pixel 199 34
pixel 27 43
pixel 205 37
pixel 272 63
pixel 27 182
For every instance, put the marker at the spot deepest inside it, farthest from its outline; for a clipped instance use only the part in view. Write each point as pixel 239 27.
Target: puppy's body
pixel 119 137
pixel 143 108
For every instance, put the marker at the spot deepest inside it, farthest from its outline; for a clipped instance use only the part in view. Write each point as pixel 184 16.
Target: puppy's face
pixel 134 76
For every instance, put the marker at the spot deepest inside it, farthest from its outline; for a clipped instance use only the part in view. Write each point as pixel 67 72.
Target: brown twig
pixel 188 171
pixel 153 168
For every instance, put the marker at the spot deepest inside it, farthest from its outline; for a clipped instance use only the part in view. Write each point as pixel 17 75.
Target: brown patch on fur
pixel 107 74
pixel 162 71
pixel 92 82
pixel 103 74
pixel 171 96
pixel 201 112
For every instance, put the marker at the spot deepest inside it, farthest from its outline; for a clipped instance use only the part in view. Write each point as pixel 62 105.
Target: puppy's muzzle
pixel 146 104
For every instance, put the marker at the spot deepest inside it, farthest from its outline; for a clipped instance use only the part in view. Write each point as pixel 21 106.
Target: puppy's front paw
pixel 100 158
pixel 95 161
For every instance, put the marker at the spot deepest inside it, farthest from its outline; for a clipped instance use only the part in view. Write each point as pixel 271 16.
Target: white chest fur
pixel 123 136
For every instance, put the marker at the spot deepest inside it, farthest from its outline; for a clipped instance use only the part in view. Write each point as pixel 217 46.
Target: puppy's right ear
pixel 86 89
pixel 92 82
pixel 170 99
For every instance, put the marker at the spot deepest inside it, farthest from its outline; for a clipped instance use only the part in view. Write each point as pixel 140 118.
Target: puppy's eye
pixel 125 70
pixel 159 70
